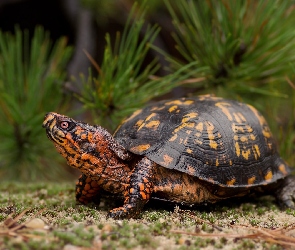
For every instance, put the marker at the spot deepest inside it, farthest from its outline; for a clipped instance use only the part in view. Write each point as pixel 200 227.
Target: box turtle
pixel 188 150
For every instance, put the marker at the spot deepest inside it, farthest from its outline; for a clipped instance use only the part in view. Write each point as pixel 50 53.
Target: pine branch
pixel 245 44
pixel 31 73
pixel 125 82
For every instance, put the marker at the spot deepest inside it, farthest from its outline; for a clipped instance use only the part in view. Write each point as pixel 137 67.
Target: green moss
pixel 247 244
pixel 78 225
pixel 201 242
pixel 207 228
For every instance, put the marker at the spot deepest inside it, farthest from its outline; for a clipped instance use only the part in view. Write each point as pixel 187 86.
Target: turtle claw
pixel 286 194
pixel 125 212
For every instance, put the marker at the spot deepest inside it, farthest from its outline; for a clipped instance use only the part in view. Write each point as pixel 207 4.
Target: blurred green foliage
pixel 31 77
pixel 247 45
pixel 106 9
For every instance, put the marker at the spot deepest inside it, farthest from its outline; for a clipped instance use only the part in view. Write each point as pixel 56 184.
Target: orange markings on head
pixel 52 125
pixel 60 134
pixel 49 117
pixel 70 140
pixel 79 130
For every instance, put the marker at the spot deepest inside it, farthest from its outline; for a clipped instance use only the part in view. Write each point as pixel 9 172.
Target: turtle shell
pixel 221 141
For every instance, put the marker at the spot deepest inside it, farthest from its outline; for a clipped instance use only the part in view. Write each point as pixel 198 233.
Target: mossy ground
pixel 71 226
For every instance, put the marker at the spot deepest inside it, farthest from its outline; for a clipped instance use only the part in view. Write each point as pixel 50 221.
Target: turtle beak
pixel 48 120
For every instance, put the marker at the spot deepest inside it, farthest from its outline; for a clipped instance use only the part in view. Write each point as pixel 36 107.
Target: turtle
pixel 191 150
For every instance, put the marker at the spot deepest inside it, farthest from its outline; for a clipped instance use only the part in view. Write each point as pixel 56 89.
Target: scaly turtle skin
pixel 188 150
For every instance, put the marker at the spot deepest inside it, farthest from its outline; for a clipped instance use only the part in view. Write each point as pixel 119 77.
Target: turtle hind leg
pixel 285 194
pixel 87 190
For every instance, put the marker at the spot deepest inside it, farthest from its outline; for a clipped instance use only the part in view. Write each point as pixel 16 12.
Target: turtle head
pixel 59 128
pixel 83 145
pixel 73 139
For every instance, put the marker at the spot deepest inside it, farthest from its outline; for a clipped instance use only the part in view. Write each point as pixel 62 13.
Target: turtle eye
pixel 65 125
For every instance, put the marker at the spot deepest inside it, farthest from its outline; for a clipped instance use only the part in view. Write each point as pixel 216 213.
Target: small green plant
pixel 241 50
pixel 124 83
pixel 31 77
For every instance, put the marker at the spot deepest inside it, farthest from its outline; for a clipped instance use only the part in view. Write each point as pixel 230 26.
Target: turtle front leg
pixel 138 192
pixel 87 190
pixel 285 194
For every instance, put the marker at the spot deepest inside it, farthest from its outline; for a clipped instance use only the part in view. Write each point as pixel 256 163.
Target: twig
pixel 290 82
